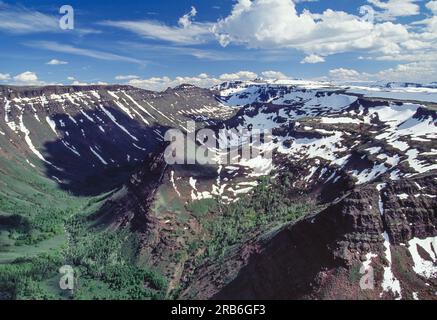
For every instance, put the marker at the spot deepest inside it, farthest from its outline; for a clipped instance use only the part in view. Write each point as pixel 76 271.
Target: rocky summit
pixel 346 208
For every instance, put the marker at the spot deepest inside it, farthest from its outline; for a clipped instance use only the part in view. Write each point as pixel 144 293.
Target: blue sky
pixel 154 44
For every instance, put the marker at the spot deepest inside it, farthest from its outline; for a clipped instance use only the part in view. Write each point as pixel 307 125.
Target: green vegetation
pixel 166 202
pixel 22 279
pixel 201 207
pixel 32 208
pixel 355 275
pixel 266 208
pixel 43 228
pixel 106 263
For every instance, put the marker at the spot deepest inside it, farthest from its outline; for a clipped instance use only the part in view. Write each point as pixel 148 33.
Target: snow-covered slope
pixel 243 92
pixel 369 165
pixel 77 133
pixel 372 162
pixel 331 138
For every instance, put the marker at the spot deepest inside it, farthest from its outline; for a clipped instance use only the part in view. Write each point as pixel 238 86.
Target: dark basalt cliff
pixel 129 206
pixel 305 259
pixel 410 209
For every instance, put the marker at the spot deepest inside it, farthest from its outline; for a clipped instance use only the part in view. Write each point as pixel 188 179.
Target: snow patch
pixel 424 267
pixel 174 184
pixel 389 282
pixel 113 119
pixel 52 124
pixel 98 156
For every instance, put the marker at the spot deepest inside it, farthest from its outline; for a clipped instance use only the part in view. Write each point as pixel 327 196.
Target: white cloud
pixel 80 83
pixel 162 83
pixel 186 20
pixel 313 58
pixel 270 24
pixel 71 78
pixel 5 76
pixel 96 54
pixel 27 78
pixel 202 80
pixel 126 77
pixel 241 75
pixel 432 5
pixel 277 26
pixel 343 74
pixel 396 8
pixel 18 19
pixel 262 23
pixel 54 62
pixel 187 32
pixel 147 50
pixel 421 72
pixel 275 75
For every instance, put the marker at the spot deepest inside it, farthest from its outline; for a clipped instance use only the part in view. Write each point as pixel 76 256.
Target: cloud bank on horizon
pixel 208 43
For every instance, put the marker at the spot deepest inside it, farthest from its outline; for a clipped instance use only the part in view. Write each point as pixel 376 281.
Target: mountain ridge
pixel 363 167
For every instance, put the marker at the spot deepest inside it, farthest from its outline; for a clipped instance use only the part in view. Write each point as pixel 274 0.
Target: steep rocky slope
pixel 316 258
pixel 372 162
pixel 365 167
pixel 82 133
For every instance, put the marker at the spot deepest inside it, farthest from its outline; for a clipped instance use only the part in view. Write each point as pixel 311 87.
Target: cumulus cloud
pixel 277 24
pixel 396 8
pixel 186 32
pixel 27 78
pixel 55 62
pixel 5 76
pixel 272 24
pixel 162 83
pixel 126 77
pixel 432 5
pixel 241 75
pixel 275 75
pixel 186 20
pixel 80 83
pixel 313 58
pixel 263 23
pixel 202 80
pixel 422 72
pixel 344 74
